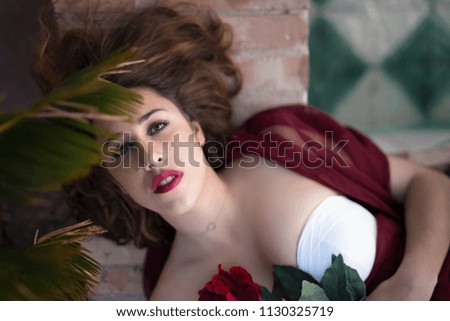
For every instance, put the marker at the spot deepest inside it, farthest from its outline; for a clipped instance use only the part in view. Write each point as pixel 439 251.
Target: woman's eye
pixel 124 148
pixel 116 149
pixel 156 127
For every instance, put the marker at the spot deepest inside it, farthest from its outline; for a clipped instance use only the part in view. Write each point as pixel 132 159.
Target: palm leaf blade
pixel 58 268
pixel 42 155
pixel 50 143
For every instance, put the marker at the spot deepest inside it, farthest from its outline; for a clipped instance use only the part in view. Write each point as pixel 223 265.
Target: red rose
pixel 236 285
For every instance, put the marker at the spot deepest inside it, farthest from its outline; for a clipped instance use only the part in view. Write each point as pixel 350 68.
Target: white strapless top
pixel 338 225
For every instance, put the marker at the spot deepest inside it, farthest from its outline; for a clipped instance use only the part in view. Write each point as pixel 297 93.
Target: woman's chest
pixel 277 203
pixel 192 274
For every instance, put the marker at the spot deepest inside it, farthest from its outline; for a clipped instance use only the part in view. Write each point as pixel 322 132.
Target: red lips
pixel 175 177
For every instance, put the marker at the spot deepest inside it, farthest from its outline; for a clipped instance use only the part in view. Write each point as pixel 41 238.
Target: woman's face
pixel 157 158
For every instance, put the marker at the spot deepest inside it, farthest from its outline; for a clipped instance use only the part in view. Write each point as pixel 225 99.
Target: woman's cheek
pixel 123 177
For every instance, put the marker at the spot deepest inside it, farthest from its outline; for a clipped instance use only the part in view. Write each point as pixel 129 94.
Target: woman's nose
pixel 153 163
pixel 155 157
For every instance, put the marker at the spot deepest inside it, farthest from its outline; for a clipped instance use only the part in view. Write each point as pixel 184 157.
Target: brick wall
pixel 121 277
pixel 270 44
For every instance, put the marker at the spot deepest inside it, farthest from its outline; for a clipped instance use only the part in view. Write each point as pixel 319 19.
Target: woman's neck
pixel 212 222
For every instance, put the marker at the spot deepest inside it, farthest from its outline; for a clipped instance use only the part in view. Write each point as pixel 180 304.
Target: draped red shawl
pixel 310 143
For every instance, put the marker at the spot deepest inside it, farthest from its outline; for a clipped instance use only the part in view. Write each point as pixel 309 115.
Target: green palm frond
pixel 43 147
pixel 86 93
pixel 57 267
pixel 46 146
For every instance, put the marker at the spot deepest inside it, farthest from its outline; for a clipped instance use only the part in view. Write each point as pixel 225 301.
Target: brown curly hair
pixel 187 61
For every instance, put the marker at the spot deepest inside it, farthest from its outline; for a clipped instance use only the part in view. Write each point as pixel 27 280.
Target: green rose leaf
pixel 288 282
pixel 355 285
pixel 342 283
pixel 312 292
pixel 267 296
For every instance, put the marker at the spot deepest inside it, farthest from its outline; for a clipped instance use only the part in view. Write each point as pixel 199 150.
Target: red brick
pixel 273 72
pixel 120 280
pixel 251 102
pixel 98 5
pixel 237 6
pixel 107 252
pixel 262 32
pixel 302 71
pixel 269 82
pixel 254 5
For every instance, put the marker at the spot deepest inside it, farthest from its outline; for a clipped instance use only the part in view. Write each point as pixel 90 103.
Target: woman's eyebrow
pixel 140 120
pixel 147 115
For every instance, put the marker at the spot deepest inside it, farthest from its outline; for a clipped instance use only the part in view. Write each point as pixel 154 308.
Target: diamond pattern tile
pixel 421 65
pixel 319 2
pixel 382 65
pixel 375 27
pixel 442 9
pixel 441 113
pixel 334 68
pixel 375 104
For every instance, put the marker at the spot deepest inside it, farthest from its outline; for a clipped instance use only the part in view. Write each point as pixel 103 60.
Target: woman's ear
pixel 198 132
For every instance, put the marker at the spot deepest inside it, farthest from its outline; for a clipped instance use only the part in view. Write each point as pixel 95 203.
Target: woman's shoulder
pixel 176 287
pixel 185 272
pixel 181 279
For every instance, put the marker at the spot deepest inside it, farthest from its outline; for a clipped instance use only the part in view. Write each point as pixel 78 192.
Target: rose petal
pixel 248 294
pixel 231 286
pixel 220 287
pixel 240 274
pixel 230 297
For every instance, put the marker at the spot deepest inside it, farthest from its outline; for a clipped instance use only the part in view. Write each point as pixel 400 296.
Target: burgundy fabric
pixel 153 265
pixel 348 163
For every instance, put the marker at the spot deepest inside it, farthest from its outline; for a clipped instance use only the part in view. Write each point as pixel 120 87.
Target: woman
pixel 290 187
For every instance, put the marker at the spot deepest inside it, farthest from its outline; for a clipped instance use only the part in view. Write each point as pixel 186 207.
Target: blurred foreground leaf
pixel 52 142
pixel 44 146
pixel 58 267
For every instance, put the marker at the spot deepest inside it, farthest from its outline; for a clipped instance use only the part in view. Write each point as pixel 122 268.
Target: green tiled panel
pixel 334 68
pixel 442 9
pixel 320 2
pixel 375 104
pixel 421 65
pixel 405 83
